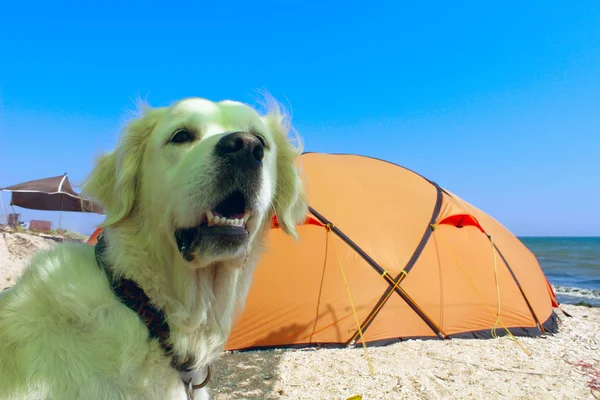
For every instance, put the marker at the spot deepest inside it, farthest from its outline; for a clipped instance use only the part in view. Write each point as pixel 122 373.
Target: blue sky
pixel 498 102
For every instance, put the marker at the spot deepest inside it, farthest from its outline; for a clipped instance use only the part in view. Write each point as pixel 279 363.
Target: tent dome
pixel 395 252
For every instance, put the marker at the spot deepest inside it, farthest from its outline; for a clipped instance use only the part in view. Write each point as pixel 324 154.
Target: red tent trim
pixel 461 220
pixel 553 298
pixel 308 221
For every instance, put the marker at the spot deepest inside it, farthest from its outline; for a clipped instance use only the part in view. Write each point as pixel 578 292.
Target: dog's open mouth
pixel 226 222
pixel 231 212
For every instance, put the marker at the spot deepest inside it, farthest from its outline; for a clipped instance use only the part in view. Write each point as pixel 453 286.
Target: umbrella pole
pixel 62 197
pixel 4 216
pixel 12 206
pixel 60 215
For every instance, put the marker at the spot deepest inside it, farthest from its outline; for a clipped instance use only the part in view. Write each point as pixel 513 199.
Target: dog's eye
pixel 182 136
pixel 260 137
pixel 262 140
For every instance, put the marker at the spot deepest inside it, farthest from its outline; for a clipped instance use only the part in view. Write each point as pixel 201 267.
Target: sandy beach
pixel 455 369
pixel 562 366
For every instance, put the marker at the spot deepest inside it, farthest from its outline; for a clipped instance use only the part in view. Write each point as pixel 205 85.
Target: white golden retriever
pixel 189 194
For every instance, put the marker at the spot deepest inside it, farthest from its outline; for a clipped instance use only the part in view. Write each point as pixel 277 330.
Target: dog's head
pixel 210 175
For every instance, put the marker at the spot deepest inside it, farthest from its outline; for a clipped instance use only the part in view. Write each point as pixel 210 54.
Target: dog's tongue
pixel 189 238
pixel 222 230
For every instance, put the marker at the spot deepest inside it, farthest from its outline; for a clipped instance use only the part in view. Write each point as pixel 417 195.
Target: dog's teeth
pixel 245 217
pixel 220 220
pixel 210 218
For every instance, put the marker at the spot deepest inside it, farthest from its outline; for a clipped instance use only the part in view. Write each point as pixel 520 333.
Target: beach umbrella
pixel 50 194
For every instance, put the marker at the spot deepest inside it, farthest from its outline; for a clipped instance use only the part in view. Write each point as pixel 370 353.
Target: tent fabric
pixel 50 194
pixel 415 261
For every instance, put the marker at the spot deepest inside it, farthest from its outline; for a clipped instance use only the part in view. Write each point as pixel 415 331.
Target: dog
pixel 189 195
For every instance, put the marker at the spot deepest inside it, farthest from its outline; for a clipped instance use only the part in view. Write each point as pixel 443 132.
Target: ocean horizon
pixel 572 265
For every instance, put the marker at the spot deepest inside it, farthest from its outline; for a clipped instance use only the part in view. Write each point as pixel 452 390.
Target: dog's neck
pixel 199 304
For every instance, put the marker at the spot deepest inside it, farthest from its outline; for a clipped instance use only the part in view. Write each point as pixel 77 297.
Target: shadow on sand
pixel 256 374
pixel 251 374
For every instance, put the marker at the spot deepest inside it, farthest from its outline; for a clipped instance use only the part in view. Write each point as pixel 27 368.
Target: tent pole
pixel 377 267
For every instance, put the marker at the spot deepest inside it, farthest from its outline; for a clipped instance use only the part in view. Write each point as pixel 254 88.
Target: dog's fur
pixel 64 334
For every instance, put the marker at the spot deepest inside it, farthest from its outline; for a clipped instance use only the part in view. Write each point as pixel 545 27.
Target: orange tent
pixel 393 251
pixel 390 251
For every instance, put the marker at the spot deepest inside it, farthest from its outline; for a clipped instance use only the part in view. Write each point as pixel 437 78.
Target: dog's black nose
pixel 241 149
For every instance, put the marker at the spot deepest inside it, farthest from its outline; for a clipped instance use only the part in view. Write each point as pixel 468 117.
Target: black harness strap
pixel 134 297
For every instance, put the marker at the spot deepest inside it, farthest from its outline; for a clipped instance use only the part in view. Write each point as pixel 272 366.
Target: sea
pixel 571 264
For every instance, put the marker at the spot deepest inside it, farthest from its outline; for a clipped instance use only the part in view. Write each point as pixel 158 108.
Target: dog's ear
pixel 113 181
pixel 289 203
